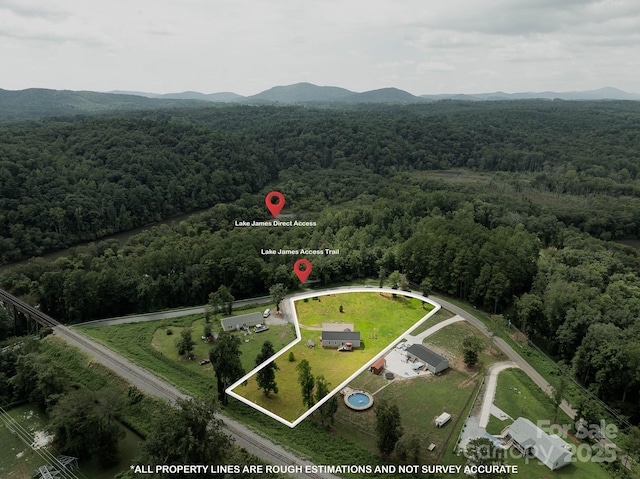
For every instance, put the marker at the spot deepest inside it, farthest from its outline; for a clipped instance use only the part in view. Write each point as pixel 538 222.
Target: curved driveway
pixel 509 351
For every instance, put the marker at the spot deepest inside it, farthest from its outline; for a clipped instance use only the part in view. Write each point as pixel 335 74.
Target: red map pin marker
pixel 302 274
pixel 275 208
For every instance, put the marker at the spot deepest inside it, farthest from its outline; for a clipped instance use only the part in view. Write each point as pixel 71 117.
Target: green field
pixel 251 344
pixel 380 318
pixel 420 400
pixel 148 345
pixel 448 342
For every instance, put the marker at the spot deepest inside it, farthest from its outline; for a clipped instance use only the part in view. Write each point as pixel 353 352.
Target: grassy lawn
pixel 251 344
pixel 441 315
pixel 517 395
pixel 380 319
pixel 148 345
pixel 420 401
pixel 448 342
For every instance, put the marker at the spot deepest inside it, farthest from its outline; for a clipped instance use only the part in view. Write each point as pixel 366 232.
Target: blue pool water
pixel 358 400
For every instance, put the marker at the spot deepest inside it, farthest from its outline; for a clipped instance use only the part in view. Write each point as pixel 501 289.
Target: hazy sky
pixel 246 46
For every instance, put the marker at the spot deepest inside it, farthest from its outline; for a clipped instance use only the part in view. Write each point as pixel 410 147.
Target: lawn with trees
pixel 379 318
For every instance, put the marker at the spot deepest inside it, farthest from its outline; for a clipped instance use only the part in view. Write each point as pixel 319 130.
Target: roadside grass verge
pixel 440 315
pixel 134 342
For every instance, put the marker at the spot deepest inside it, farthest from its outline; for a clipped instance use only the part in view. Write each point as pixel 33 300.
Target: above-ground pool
pixel 359 400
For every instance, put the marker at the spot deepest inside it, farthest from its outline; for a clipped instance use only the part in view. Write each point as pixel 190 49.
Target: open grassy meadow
pixel 379 318
pixel 420 400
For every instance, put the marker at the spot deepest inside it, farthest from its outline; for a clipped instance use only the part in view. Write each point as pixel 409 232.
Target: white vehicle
pixel 267 313
pixel 442 419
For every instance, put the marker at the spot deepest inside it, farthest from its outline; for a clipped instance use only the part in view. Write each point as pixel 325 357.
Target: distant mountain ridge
pixel 39 102
pixel 606 93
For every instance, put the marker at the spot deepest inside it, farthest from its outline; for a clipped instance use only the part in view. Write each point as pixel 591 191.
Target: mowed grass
pixel 440 315
pixel 518 396
pixel 148 345
pixel 379 318
pixel 448 342
pixel 250 344
pixel 420 400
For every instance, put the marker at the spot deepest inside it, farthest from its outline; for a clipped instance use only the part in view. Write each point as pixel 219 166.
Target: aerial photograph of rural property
pixel 320 240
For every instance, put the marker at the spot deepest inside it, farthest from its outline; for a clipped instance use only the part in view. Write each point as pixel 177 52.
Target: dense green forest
pixel 68 180
pixel 508 205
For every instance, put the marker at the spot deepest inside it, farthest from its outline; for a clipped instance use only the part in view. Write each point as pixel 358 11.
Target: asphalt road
pixel 154 386
pixel 508 350
pixel 173 313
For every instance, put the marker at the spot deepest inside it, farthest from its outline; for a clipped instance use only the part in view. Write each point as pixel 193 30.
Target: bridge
pixel 34 317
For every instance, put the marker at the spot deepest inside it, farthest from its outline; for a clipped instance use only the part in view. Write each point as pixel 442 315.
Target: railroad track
pixel 39 316
pixel 155 386
pixel 152 385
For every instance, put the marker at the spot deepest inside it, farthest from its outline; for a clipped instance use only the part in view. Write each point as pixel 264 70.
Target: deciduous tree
pixel 388 426
pixel 266 377
pixel 225 359
pixel 306 381
pixel 471 348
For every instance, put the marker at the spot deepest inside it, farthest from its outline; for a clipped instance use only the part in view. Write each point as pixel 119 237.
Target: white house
pixel 530 440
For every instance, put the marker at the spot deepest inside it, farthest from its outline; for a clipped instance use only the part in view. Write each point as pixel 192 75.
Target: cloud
pixel 31 9
pixel 435 66
pixel 250 45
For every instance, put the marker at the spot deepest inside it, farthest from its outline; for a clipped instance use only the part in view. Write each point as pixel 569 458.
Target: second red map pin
pixel 274 202
pixel 302 268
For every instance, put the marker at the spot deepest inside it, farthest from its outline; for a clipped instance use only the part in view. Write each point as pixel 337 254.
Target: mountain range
pixel 310 93
pixel 40 102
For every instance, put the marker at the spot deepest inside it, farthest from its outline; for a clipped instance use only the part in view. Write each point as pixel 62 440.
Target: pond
pixel 19 460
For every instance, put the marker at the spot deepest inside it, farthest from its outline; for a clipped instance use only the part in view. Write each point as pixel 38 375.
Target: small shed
pixel 442 419
pixel 378 366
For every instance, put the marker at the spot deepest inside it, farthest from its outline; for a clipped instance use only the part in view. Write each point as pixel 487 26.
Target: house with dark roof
pixel 432 360
pixel 336 339
pixel 530 440
pixel 236 323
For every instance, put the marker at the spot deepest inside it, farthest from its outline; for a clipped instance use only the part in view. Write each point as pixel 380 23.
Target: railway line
pixel 152 385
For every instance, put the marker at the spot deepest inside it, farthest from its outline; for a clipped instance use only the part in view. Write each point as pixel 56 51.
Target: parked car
pixel 267 313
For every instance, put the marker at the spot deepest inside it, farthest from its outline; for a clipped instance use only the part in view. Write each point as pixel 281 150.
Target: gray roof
pixel 234 321
pixel 338 327
pixel 547 449
pixel 341 335
pixel 425 354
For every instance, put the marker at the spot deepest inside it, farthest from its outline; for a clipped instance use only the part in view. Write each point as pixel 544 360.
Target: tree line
pixel 67 180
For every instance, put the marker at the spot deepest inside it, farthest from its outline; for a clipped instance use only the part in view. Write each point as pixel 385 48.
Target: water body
pixel 121 237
